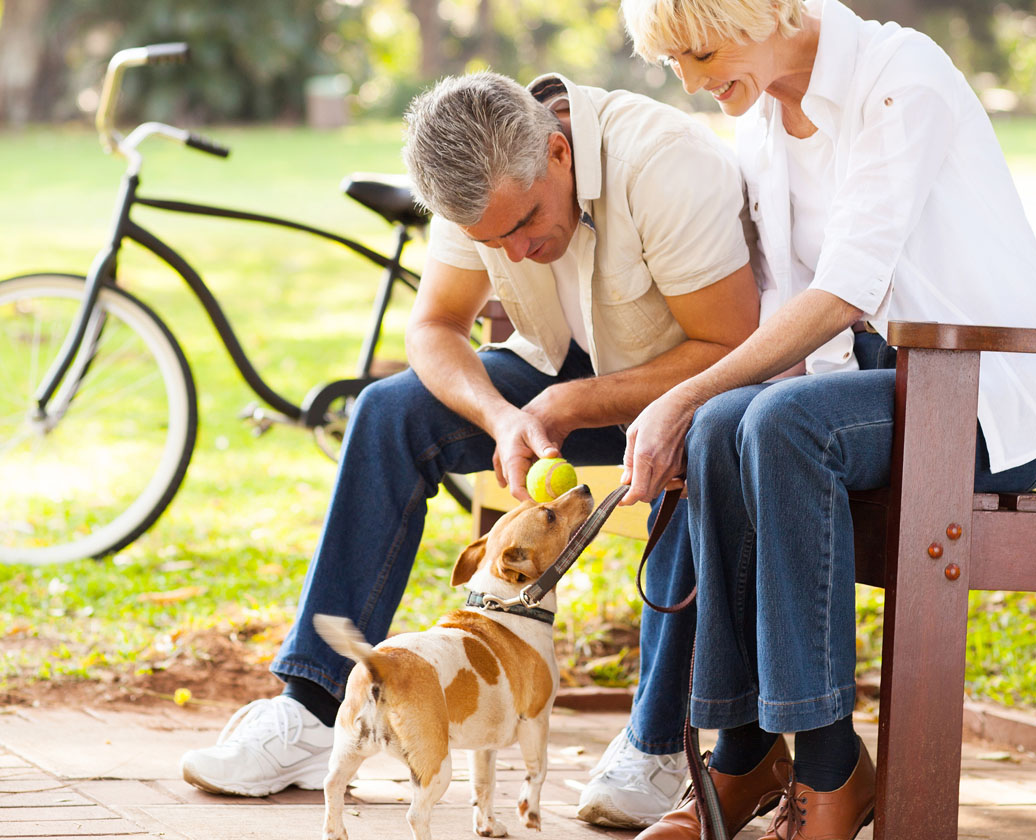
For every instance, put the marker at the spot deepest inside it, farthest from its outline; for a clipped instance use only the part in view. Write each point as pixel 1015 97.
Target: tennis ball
pixel 550 478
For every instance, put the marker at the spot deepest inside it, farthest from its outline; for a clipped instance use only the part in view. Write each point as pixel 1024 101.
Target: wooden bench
pixel 928 539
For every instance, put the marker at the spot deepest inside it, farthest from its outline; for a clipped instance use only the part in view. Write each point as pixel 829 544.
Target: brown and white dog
pixel 478 680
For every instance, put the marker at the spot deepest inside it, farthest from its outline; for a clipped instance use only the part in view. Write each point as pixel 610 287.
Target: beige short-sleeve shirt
pixel 661 196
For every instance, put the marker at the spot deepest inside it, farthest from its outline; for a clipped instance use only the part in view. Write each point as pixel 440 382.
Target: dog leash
pixel 713 823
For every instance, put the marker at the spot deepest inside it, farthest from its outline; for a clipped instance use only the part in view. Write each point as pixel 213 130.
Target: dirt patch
pixel 229 669
pixel 217 668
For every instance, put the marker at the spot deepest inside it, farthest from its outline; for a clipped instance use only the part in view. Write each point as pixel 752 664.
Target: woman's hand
pixel 655 457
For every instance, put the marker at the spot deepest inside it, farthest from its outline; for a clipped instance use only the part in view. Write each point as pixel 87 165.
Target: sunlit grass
pixel 235 544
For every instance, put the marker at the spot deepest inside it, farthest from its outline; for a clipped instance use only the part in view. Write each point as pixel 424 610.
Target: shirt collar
pixel 586 133
pixel 835 63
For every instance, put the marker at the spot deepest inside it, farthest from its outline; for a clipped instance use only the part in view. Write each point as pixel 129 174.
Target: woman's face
pixel 735 74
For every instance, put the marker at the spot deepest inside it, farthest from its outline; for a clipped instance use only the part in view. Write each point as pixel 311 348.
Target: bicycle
pixel 101 366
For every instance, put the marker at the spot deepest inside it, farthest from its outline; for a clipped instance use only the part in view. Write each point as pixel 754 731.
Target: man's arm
pixel 440 352
pixel 716 319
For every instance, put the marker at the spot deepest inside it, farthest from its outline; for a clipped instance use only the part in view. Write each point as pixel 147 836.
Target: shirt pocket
pixel 521 319
pixel 631 311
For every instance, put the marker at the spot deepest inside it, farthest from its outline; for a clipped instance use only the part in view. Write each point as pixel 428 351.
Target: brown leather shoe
pixel 740 796
pixel 807 814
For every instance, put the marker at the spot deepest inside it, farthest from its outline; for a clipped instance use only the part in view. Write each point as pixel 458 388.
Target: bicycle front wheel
pixel 99 469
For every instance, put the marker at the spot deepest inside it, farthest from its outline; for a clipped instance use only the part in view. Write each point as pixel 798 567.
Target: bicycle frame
pixel 103 272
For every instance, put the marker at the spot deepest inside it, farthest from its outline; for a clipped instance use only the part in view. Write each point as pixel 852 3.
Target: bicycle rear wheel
pixel 98 471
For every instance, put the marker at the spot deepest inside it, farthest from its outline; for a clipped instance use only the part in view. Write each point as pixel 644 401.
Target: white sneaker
pixel 632 789
pixel 266 746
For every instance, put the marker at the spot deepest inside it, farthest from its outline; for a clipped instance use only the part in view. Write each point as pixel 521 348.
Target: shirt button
pixel 888 100
pixel 756 207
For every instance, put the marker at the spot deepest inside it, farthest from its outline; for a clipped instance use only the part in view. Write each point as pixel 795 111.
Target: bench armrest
pixel 934 336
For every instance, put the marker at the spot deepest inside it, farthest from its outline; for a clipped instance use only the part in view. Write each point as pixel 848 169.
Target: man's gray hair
pixel 469 134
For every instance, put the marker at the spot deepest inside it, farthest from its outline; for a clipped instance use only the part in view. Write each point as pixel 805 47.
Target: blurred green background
pixel 253 59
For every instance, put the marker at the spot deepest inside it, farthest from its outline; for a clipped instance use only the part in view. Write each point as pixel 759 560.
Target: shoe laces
pixel 629 766
pixel 791 812
pixel 261 717
pixel 690 794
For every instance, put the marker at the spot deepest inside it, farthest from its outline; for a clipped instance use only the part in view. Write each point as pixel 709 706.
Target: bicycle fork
pixel 86 327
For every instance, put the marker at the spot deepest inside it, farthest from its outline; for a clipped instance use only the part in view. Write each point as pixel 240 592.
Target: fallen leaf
pixel 996 756
pixel 172 596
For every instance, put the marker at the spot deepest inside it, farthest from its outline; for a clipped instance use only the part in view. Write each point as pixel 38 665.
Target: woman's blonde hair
pixel 659 26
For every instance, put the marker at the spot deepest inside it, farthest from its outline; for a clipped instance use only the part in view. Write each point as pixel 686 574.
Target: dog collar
pixel 478 599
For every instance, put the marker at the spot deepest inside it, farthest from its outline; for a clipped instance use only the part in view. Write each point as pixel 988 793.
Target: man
pixel 608 225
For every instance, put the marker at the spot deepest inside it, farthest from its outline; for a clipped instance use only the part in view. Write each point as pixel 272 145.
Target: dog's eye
pixel 551 516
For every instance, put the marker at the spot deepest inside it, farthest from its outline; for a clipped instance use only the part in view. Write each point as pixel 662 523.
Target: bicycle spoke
pixel 98 469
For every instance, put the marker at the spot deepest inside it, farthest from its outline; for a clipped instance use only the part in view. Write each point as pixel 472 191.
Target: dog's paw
pixel 530 819
pixel 490 828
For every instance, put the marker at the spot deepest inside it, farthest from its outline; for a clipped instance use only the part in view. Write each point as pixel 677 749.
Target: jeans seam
pixel 829 523
pixel 725 701
pixel 747 549
pixel 296 668
pixel 393 554
pixel 778 704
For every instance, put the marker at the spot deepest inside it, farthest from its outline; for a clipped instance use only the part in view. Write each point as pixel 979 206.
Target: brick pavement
pixel 99 773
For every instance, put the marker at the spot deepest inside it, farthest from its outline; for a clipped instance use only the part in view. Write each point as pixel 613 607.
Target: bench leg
pixel 926 602
pixel 921 718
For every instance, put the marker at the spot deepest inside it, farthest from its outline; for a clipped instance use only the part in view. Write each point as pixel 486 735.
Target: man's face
pixel 535 223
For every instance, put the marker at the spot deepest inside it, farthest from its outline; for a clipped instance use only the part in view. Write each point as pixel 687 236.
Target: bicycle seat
pixel 388 195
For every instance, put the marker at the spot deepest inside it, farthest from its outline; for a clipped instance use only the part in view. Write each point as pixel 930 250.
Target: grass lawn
pixel 227 559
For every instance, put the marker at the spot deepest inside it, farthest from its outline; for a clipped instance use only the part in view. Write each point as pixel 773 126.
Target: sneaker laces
pixel 281 717
pixel 632 768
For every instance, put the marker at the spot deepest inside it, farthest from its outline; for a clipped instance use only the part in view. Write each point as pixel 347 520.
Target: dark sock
pixel 739 750
pixel 825 758
pixel 320 702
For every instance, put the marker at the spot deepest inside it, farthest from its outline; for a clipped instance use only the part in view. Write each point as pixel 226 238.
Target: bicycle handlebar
pixel 172 53
pixel 204 144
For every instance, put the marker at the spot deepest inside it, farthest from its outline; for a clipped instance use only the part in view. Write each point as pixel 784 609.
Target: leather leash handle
pixel 710 812
pixel 665 513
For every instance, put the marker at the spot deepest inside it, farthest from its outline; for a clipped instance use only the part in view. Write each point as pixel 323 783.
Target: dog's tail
pixel 343 637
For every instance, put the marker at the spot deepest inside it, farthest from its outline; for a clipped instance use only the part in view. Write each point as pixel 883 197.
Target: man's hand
pixel 521 439
pixel 554 407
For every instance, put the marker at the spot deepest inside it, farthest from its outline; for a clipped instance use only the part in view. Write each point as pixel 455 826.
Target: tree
pixel 22 49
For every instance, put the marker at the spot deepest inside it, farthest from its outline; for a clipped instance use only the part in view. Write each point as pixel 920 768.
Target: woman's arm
pixel 655 440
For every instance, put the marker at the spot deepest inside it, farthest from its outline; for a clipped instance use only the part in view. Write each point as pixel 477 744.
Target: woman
pixel 879 193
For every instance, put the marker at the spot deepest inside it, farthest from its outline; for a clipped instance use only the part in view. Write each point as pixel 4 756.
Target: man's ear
pixel 559 150
pixel 468 562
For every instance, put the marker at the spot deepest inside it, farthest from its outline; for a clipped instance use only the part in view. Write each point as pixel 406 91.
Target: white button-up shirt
pixel 925 224
pixel 660 197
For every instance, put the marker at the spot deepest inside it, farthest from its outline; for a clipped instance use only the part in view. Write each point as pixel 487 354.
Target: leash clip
pixel 493 602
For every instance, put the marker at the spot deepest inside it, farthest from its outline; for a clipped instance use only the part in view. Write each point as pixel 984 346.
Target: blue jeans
pixel 400 442
pixel 769 532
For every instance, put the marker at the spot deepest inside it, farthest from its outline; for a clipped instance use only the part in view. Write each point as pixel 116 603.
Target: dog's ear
pixel 468 562
pixel 514 565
